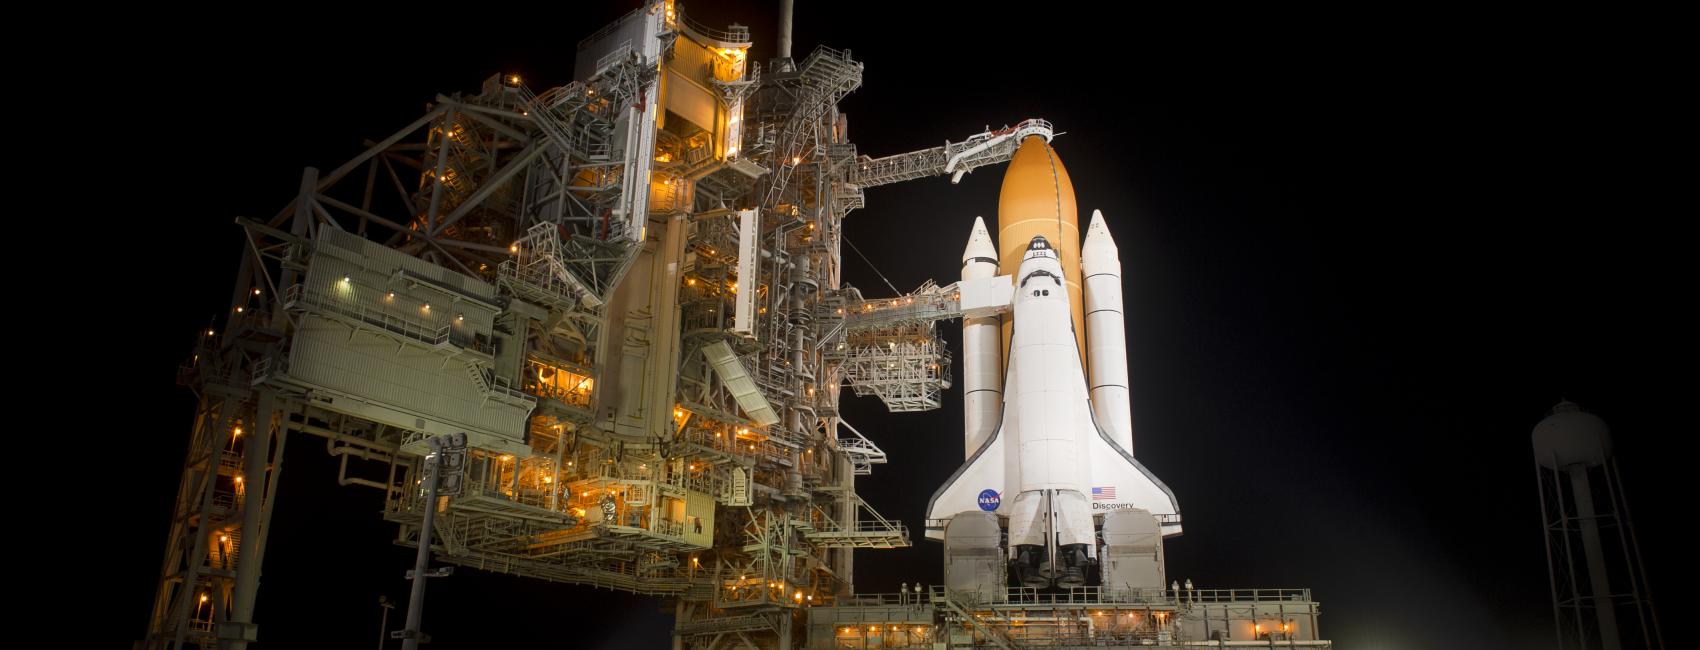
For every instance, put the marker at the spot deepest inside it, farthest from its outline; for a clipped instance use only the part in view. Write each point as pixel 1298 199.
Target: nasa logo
pixel 989 500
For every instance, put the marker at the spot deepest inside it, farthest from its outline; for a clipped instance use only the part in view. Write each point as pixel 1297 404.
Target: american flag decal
pixel 1104 493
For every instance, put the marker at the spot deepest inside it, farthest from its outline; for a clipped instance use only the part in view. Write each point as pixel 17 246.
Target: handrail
pixel 621 51
pixel 405 327
pixel 735 34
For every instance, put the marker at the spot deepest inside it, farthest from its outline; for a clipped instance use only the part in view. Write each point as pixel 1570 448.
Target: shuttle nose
pixel 1038 243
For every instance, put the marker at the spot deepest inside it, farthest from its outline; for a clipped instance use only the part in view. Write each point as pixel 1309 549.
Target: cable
pixel 876 269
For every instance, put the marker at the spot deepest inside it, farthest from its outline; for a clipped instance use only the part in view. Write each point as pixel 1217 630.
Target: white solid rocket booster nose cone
pixel 1098 244
pixel 980 244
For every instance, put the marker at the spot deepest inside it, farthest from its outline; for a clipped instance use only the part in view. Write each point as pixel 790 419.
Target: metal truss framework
pixel 637 467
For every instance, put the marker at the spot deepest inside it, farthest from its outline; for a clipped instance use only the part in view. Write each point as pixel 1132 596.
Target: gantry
pixel 626 292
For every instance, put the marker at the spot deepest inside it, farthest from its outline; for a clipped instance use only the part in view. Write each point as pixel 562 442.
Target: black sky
pixel 1363 255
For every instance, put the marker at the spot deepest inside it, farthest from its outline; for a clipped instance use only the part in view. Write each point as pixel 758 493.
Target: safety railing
pixel 404 327
pixel 669 528
pixel 267 368
pixel 863 527
pixel 1168 597
pixel 955 158
pixel 886 599
pixel 735 34
pixel 619 54
pixel 299 296
pixel 562 384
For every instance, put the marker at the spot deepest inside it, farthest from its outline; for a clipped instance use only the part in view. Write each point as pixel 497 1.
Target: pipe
pixel 343 480
pixel 785 28
pixel 1604 606
pixel 338 436
pixel 416 599
pixel 352 450
pixel 254 463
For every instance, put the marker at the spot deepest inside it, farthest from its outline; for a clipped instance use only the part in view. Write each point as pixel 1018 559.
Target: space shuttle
pixel 1049 480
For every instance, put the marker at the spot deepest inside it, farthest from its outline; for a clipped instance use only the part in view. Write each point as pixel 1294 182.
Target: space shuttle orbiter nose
pixel 1048 438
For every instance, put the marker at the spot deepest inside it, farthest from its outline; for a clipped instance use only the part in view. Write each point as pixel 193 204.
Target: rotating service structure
pixel 624 291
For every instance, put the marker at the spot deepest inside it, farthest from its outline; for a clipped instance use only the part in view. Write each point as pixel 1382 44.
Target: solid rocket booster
pixel 982 349
pixel 1037 199
pixel 1106 332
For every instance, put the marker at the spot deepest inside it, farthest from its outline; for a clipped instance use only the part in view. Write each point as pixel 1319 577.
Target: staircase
pixel 828 75
pixel 995 633
pixel 498 389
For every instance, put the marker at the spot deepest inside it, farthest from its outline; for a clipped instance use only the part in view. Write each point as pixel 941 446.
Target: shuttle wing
pixel 1120 482
pixel 978 485
pixel 1112 479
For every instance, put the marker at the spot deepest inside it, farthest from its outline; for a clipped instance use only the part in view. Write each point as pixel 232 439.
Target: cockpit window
pixel 1043 272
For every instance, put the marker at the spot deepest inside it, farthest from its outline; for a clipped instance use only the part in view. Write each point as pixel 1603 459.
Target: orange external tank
pixel 1038 199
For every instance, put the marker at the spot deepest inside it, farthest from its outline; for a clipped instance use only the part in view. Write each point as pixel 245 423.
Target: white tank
pixel 1571 436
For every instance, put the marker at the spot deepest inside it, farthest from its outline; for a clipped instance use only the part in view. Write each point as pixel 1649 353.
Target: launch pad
pixel 624 297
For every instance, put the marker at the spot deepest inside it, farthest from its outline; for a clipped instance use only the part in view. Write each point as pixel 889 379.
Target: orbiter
pixel 1048 432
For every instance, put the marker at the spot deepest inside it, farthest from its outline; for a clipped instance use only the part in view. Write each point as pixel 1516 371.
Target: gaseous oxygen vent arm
pixel 985 148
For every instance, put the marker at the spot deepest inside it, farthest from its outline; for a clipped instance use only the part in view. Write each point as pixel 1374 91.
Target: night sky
pixel 1360 265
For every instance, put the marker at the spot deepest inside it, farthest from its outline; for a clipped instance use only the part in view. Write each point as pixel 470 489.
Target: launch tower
pixel 626 294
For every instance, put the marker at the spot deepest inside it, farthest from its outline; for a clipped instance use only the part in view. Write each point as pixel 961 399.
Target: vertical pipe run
pixel 785 29
pixel 416 598
pixel 1546 536
pixel 1604 606
pixel 442 167
pixel 249 556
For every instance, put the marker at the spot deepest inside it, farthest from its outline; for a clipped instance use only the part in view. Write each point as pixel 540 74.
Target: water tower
pixel 1599 585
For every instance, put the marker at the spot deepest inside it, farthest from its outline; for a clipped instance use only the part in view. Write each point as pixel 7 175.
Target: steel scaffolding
pixel 626 291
